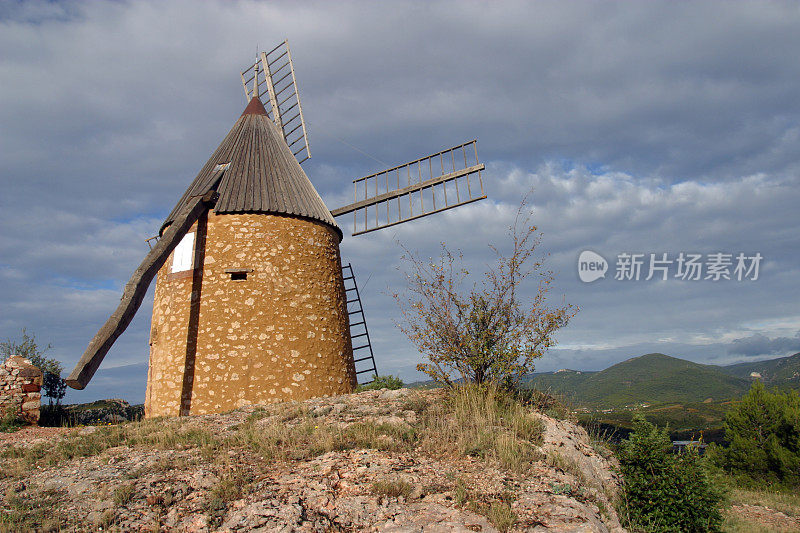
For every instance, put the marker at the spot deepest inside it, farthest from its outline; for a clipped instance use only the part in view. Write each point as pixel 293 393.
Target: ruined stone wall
pixel 20 386
pixel 280 334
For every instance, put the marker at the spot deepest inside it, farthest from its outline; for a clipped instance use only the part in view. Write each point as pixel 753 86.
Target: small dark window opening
pixel 238 273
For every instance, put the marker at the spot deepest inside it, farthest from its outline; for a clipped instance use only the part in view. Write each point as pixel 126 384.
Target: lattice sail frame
pixel 419 181
pixel 273 73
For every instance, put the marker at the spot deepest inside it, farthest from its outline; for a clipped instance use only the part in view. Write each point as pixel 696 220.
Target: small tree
pixel 663 491
pixel 764 434
pixel 53 386
pixel 490 332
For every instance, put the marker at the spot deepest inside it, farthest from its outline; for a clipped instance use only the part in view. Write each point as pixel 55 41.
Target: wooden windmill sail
pixel 276 82
pixel 383 199
pixel 251 305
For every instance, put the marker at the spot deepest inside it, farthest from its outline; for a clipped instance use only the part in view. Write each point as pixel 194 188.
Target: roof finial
pixel 255 81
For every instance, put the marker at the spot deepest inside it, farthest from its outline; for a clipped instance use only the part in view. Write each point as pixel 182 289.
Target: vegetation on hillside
pixel 780 372
pixel 489 332
pixel 685 421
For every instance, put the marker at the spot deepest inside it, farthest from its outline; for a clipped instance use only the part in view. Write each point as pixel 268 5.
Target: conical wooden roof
pixel 263 175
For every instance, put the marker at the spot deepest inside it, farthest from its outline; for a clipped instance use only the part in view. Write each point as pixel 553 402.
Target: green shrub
pixel 10 421
pixel 764 435
pixel 382 382
pixel 663 491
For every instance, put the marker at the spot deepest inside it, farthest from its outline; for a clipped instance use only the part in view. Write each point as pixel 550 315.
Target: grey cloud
pixel 759 344
pixel 648 127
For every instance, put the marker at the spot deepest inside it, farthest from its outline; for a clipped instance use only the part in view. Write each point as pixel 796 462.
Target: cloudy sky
pixel 644 128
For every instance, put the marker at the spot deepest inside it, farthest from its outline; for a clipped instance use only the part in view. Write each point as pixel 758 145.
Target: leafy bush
pixel 764 435
pixel 663 491
pixel 382 382
pixel 484 332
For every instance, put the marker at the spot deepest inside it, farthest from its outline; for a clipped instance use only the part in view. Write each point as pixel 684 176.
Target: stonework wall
pixel 20 386
pixel 168 338
pixel 281 334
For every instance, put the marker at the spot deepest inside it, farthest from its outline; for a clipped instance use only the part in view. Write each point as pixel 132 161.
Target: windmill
pixel 251 305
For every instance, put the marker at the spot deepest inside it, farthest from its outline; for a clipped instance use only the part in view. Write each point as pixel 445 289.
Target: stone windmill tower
pixel 250 302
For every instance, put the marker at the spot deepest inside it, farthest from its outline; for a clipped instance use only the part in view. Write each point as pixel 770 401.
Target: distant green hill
pixel 564 382
pixel 657 379
pixel 781 372
pixel 653 379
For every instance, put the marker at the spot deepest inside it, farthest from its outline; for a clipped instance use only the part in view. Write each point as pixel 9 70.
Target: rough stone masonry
pixel 20 386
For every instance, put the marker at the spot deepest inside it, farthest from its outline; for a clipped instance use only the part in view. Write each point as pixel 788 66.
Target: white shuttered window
pixel 183 255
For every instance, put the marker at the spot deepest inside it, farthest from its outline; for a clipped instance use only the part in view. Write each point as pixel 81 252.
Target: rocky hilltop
pixel 390 460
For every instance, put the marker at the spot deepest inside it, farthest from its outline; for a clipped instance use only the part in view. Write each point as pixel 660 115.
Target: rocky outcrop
pixel 20 386
pixel 373 461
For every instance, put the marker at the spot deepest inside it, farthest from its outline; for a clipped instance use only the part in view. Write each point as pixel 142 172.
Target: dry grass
pixel 155 433
pixel 9 421
pixel 123 494
pixel 231 486
pixel 501 515
pixel 308 437
pixel 162 464
pixel 36 511
pixel 478 421
pixel 392 488
pixel 416 402
pixel 549 403
pixel 739 492
pixel 461 492
pixel 737 524
pixel 292 435
pixel 786 502
pixel 566 464
pixel 487 423
pixel 495 507
pixel 601 438
pixel 12 470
